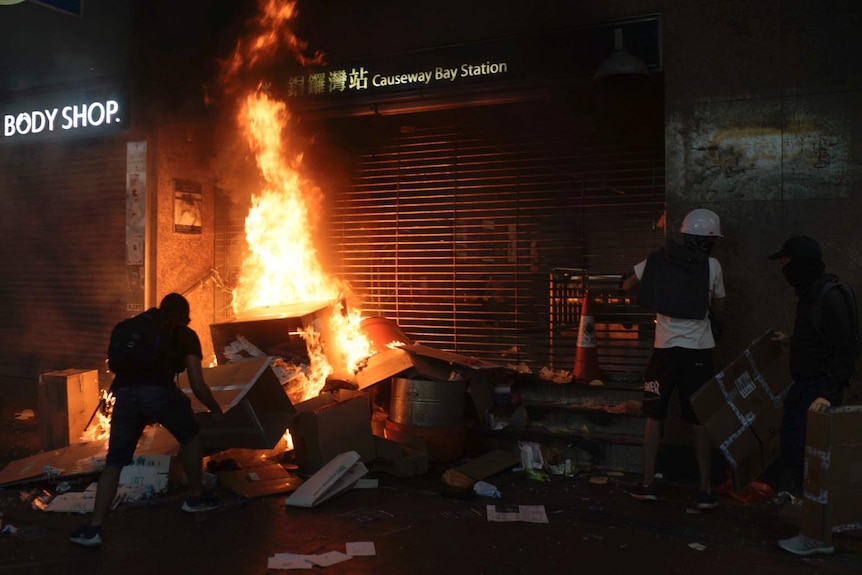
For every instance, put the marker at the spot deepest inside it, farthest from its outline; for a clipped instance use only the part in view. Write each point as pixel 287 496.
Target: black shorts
pixel 140 405
pixel 685 370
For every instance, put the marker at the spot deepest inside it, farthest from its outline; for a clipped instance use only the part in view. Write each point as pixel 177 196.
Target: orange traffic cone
pixel 587 356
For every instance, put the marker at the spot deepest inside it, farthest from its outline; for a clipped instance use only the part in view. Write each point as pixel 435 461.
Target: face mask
pixel 701 243
pixel 801 272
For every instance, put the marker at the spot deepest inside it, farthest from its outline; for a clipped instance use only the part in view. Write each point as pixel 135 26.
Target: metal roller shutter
pixel 475 230
pixel 63 253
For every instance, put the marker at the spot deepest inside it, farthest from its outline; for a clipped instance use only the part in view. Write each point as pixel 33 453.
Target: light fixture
pixel 621 66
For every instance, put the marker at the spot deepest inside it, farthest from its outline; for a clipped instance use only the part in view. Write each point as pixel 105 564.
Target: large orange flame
pixel 282 265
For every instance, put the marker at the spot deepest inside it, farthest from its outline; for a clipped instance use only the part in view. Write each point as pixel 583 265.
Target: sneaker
pixel 203 502
pixel 87 535
pixel 643 492
pixel 804 545
pixel 706 500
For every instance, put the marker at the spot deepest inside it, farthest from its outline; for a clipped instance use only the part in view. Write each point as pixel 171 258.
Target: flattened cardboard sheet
pixel 259 481
pixel 83 458
pixel 337 476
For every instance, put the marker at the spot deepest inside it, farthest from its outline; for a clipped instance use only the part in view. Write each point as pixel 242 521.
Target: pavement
pixel 417 526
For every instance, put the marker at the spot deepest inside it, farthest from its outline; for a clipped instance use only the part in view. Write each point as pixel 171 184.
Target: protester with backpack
pixel 146 353
pixel 823 351
pixel 684 285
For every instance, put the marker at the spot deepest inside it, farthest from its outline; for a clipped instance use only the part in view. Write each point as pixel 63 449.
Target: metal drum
pixel 432 411
pixel 427 403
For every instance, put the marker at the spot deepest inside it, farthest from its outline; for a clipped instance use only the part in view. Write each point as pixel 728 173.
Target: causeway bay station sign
pixel 568 53
pixel 360 79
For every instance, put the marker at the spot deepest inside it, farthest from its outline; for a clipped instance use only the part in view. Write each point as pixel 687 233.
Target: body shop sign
pixel 73 118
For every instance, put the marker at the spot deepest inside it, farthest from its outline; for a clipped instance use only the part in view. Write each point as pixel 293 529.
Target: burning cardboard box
pixel 256 409
pixel 273 331
pixel 742 406
pixel 833 473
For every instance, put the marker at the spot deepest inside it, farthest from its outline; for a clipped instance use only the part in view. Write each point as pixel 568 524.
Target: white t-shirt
pixel 688 333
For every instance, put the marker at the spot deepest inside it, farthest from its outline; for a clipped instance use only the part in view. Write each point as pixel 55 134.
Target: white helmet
pixel 701 222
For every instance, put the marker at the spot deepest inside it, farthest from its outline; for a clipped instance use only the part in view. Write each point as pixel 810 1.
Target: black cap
pixel 176 307
pixel 799 247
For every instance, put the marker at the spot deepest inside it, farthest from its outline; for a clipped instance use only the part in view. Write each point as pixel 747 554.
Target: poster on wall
pixel 188 199
pixel 136 213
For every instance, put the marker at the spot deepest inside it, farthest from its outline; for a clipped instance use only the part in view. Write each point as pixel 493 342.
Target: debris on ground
pixel 526 513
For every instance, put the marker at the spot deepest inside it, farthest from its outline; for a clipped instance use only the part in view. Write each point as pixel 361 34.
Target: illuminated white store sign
pixel 65 118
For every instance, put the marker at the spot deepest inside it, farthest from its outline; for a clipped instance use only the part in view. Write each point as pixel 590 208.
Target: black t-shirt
pixel 176 343
pixel 826 352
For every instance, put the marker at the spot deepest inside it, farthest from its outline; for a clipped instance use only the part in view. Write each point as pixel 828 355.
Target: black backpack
pixel 849 298
pixel 134 344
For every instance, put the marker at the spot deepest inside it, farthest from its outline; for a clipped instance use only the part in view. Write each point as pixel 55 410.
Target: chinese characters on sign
pixel 360 79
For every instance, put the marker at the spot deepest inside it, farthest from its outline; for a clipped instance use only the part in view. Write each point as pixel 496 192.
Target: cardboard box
pixel 274 331
pixel 330 424
pixel 843 512
pixel 65 402
pixel 741 408
pixel 833 452
pixel 257 410
pixel 833 472
pixel 337 476
pixel 406 457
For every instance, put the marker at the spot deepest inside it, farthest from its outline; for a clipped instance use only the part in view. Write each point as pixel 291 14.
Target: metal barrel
pixel 427 403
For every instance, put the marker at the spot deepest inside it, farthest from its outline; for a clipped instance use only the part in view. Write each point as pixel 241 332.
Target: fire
pixel 99 428
pixel 282 266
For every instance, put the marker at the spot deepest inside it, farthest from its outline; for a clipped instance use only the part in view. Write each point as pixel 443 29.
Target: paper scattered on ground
pixel 85 501
pixel 526 513
pixel 697 546
pixel 361 548
pixel 328 558
pixel 297 561
pixel 288 561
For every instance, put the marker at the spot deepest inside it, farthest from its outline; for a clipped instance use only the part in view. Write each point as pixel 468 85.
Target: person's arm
pixel 837 327
pixel 631 282
pixel 199 386
pixel 716 306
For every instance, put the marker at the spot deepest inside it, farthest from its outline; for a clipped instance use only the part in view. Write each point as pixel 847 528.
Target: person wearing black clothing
pixel 823 353
pixel 153 397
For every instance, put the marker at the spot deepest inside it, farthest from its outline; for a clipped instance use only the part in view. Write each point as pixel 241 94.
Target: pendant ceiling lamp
pixel 621 65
